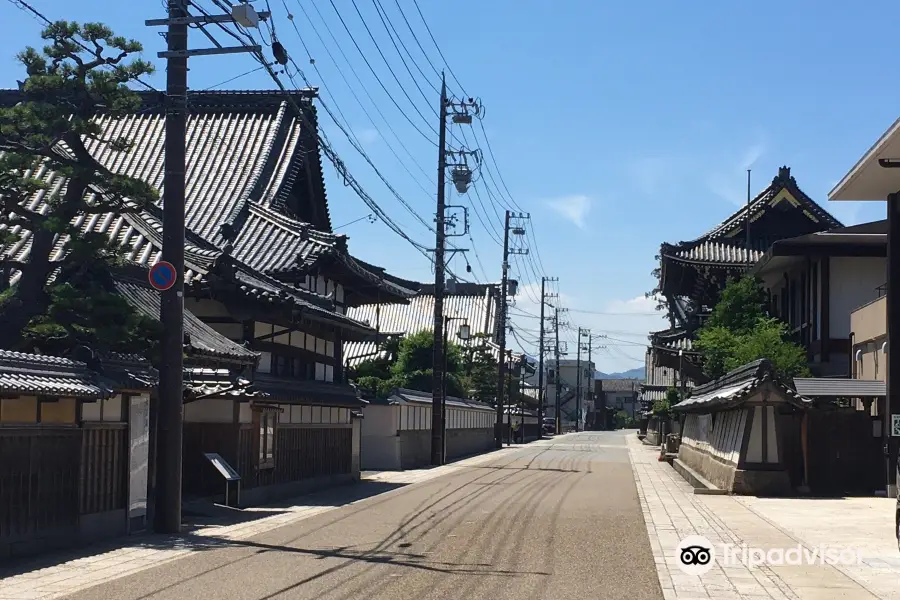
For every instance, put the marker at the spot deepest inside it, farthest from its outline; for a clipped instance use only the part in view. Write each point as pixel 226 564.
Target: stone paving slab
pixel 83 568
pixel 672 512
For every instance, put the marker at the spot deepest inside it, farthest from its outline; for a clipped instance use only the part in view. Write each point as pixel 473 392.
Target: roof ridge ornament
pixel 784 176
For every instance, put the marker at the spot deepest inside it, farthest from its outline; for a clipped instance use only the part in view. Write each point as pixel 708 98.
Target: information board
pixel 222 467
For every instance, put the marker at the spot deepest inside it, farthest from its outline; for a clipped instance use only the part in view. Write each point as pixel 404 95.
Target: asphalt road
pixel 557 519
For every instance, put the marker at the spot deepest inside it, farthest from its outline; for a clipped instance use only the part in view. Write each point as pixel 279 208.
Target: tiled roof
pixel 245 155
pixel 377 275
pixel 715 252
pixel 405 396
pixel 652 393
pixel 673 339
pixel 200 382
pixel 718 246
pixel 730 390
pixel 474 303
pixel 32 374
pixel 316 393
pixel 203 340
pixel 271 242
pixel 783 180
pixel 268 289
pixel 827 387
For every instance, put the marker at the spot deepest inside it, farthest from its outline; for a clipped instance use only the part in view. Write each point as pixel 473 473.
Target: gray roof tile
pixel 717 246
pixel 406 396
pixel 204 340
pixel 245 153
pixel 474 303
pixel 839 388
pixel 31 374
pixel 730 390
pixel 203 382
pixel 715 252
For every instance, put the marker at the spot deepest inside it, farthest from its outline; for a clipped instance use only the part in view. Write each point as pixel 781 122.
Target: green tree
pixel 82 71
pixel 415 360
pixel 662 408
pixel 409 364
pixel 102 319
pixel 374 376
pixel 481 375
pixel 739 331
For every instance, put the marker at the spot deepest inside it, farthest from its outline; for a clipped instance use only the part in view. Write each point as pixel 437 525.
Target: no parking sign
pixel 162 276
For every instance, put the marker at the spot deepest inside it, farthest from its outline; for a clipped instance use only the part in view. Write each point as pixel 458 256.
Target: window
pixel 550 374
pixel 291 366
pixel 620 404
pixel 267 428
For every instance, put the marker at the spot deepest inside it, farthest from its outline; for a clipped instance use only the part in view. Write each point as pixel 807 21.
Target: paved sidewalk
pixel 672 512
pixel 54 576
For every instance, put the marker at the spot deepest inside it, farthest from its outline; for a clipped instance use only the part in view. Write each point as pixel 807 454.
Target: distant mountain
pixel 637 373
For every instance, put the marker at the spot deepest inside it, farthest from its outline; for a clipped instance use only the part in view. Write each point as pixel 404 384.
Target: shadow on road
pixel 197 518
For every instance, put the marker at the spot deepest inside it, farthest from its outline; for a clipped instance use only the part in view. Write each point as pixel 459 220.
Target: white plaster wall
pixel 720 434
pixel 853 283
pixel 379 444
pixel 209 410
pixel 380 420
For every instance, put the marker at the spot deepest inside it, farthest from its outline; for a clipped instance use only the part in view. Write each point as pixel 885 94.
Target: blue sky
pixel 616 127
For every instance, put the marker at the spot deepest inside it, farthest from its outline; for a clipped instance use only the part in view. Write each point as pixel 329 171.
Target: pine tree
pixel 82 71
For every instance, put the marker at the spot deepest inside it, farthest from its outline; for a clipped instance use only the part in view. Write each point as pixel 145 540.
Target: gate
pixel 39 487
pixel 844 456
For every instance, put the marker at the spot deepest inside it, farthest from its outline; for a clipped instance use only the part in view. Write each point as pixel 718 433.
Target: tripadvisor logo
pixel 696 555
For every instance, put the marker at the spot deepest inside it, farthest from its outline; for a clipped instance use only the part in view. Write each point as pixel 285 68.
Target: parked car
pixel 549 426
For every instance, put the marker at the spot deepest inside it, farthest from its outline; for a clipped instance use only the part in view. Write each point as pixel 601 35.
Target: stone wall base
pixel 728 477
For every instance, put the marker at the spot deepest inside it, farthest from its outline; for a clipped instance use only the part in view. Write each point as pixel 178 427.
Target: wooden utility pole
pixel 541 361
pixel 501 332
pixel 558 377
pixel 508 228
pixel 167 508
pixel 167 515
pixel 578 384
pixel 437 392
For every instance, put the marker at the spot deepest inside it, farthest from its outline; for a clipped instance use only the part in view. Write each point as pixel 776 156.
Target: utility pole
pixel 167 508
pixel 590 390
pixel 578 384
pixel 518 230
pixel 461 177
pixel 558 377
pixel 544 281
pixel 509 409
pixel 437 392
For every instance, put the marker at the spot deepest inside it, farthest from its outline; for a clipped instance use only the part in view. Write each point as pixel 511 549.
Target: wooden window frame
pixel 266 444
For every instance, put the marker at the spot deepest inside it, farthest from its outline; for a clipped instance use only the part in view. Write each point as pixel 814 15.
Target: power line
pixel 235 78
pixel 352 88
pixel 378 79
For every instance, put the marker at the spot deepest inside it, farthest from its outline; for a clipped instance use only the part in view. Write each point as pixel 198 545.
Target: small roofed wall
pixel 737 450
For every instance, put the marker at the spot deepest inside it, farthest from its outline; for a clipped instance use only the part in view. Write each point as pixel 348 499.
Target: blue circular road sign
pixel 162 276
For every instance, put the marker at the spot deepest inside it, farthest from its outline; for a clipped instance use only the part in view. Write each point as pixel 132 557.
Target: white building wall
pixel 853 283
